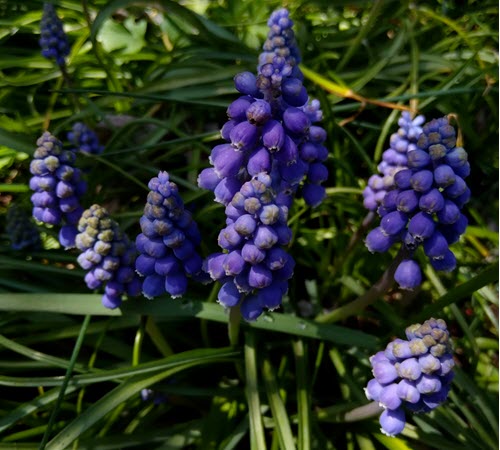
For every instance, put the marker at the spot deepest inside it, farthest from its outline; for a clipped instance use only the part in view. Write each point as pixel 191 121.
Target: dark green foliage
pixel 154 82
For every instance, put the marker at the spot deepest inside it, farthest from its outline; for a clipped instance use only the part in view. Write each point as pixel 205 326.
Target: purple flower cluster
pixel 53 40
pixel 270 128
pixel 278 70
pixel 107 255
pixel 254 269
pixel 167 244
pixel 394 159
pixel 58 186
pixel 424 208
pixel 85 139
pixel 415 373
pixel 272 150
pixel 22 232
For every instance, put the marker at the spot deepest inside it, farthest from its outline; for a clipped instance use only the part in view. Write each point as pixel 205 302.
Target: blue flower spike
pixel 167 244
pixel 413 374
pixel 53 40
pixel 107 255
pixel 58 187
pixel 423 207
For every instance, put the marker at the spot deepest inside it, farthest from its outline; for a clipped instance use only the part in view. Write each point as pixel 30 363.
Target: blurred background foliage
pixel 154 80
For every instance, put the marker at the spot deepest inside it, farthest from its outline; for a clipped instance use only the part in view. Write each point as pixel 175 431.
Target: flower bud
pixel 237 109
pixel 259 161
pixel 421 226
pixel 378 241
pixel 418 159
pixel 444 175
pixel 392 422
pixel 393 223
pixel 259 112
pixel 229 295
pixel 296 121
pixel 246 83
pixel 313 194
pixel 422 181
pixel 431 202
pixel 244 136
pixel 273 135
pixel 408 274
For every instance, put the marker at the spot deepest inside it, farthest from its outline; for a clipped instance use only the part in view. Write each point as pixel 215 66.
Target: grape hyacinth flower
pixel 273 149
pixel 254 268
pixel 53 40
pixel 22 231
pixel 107 255
pixel 415 374
pixel 394 159
pixel 85 139
pixel 167 244
pixel 58 187
pixel 424 207
pixel 271 127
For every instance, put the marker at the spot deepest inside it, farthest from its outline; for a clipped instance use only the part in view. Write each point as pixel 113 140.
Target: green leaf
pixel 280 416
pixel 129 37
pixel 121 394
pixel 487 276
pixel 97 376
pixel 16 142
pixel 161 310
pixel 25 409
pixel 206 29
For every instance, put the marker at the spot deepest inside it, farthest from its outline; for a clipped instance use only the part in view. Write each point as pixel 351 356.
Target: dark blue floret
pixel 430 194
pixel 107 255
pixel 413 374
pixel 22 231
pixel 84 139
pixel 58 187
pixel 167 244
pixel 53 40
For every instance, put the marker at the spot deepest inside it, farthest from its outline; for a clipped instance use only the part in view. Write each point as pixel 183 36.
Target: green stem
pixel 370 296
pixel 69 84
pixel 281 422
pixel 156 336
pixel 67 376
pixel 257 438
pixel 355 238
pixel 233 325
pixel 303 403
pixel 139 338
